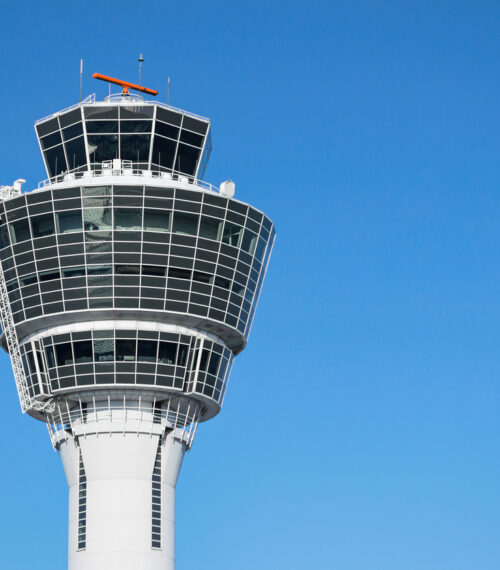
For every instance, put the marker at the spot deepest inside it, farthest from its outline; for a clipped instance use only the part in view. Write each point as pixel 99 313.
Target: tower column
pixel 122 499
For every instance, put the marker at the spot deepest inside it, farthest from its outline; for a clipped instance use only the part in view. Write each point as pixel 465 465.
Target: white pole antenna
pixel 140 60
pixel 81 78
pixel 168 91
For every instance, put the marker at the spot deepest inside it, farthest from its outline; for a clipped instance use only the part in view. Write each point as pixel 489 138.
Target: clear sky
pixel 361 426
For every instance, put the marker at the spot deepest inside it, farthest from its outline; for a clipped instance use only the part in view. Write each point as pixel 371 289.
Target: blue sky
pixel 360 430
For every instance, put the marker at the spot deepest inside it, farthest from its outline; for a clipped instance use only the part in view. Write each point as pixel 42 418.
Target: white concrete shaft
pixel 119 469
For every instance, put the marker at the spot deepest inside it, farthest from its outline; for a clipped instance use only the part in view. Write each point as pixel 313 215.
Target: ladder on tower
pixel 9 328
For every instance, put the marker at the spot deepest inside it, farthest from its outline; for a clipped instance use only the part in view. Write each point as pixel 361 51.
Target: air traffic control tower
pixel 127 286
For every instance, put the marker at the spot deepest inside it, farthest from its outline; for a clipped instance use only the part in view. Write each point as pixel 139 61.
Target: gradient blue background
pixel 361 426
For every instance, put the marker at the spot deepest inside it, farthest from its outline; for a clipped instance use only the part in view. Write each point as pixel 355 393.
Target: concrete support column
pixel 117 519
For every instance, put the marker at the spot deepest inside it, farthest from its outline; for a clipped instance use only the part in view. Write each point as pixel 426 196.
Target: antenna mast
pixel 81 78
pixel 140 60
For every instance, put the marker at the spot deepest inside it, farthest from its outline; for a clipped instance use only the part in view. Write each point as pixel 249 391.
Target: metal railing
pixel 90 99
pixel 119 167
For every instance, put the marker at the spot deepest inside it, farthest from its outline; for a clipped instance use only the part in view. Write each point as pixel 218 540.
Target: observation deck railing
pixel 125 168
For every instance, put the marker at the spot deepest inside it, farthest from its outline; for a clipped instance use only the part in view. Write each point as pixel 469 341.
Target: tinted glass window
pixel 186 160
pixel 125 350
pixel 164 152
pixel 97 218
pixel 167 130
pixel 102 147
pixel 51 140
pixel 135 147
pixel 83 351
pixel 136 112
pixel 102 126
pixel 64 354
pixel 146 350
pixel 19 231
pixel 42 225
pixel 73 131
pixel 135 126
pixel 210 228
pixel 248 242
pixel 75 151
pixel 104 350
pixel 168 352
pixel 104 112
pixel 128 219
pixel 70 221
pixel 156 220
pixel 232 234
pixel 185 223
pixel 56 161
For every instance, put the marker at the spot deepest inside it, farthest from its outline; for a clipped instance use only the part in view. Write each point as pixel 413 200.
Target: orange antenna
pixel 125 84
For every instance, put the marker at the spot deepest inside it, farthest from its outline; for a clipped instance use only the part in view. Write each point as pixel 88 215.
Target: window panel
pixel 64 354
pixel 185 223
pixel 232 234
pixel 104 350
pixel 19 231
pixel 83 351
pixel 168 352
pixel 125 350
pixel 210 228
pixel 42 225
pixel 128 219
pixel 70 221
pixel 147 350
pixel 156 220
pixel 97 218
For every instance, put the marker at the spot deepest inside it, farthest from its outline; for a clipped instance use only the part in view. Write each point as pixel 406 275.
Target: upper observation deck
pixel 153 135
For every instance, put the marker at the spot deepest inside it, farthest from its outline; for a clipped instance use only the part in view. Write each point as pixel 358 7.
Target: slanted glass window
pixel 125 350
pixel 186 159
pixel 75 151
pixel 128 219
pixel 135 147
pixel 210 228
pixel 104 350
pixel 259 252
pixel 214 364
pixel 156 220
pixel 146 350
pixel 164 152
pixel 102 147
pixel 182 355
pixel 97 219
pixel 248 242
pixel 49 352
pixel 64 354
pixel 19 231
pixel 83 351
pixel 168 352
pixel 232 234
pixel 56 161
pixel 204 359
pixel 42 225
pixel 70 221
pixel 185 223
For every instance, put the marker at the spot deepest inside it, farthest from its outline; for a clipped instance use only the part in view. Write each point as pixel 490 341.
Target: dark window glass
pixel 42 225
pixel 135 126
pixel 153 270
pixel 128 219
pixel 47 127
pixel 51 140
pixel 221 282
pixel 75 151
pixel 19 231
pixel 83 351
pixel 101 112
pixel 204 359
pixel 202 277
pixel 49 351
pixel 232 234
pixel 146 350
pixel 214 363
pixel 182 355
pixel 191 138
pixel 102 147
pixel 156 220
pixel 167 130
pixel 72 132
pixel 186 159
pixel 185 223
pixel 135 147
pixel 97 219
pixel 168 116
pixel 127 269
pixel 163 152
pixel 56 161
pixel 179 273
pixel 99 270
pixel 64 354
pixel 70 221
pixel 210 228
pixel 136 112
pixel 168 352
pixel 102 126
pixel 104 350
pixel 248 242
pixel 125 350
pixel 259 252
pixel 194 125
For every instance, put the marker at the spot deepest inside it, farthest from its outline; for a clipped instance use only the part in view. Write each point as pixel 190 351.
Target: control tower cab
pixel 127 286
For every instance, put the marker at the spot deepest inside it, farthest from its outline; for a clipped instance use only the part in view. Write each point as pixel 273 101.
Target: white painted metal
pixel 118 469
